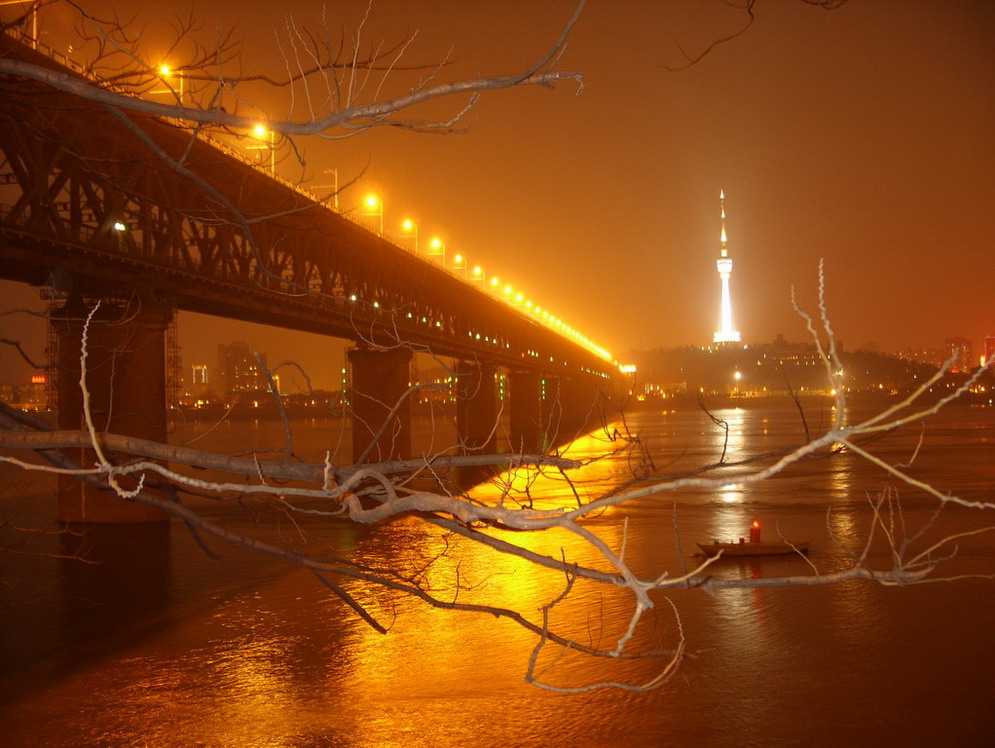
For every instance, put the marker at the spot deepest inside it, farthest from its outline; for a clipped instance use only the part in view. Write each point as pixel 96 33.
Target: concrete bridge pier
pixel 580 405
pixel 379 381
pixel 126 381
pixel 476 407
pixel 529 419
pixel 571 405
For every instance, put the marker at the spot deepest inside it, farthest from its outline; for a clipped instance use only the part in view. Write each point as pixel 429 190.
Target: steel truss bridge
pixel 101 205
pixel 118 207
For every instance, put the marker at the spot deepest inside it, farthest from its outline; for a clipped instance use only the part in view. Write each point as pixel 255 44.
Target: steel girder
pixel 110 203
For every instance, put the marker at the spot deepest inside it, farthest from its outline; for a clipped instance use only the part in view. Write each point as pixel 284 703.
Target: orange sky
pixel 864 136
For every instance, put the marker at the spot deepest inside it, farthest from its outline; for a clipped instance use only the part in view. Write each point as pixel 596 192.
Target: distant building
pixel 32 397
pixel 199 390
pixel 239 370
pixel 989 349
pixel 726 332
pixel 961 351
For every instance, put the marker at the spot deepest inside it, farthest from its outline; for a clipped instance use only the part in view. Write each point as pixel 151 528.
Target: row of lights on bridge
pixel 476 274
pixel 373 207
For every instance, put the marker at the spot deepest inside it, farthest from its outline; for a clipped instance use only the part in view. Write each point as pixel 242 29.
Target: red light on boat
pixel 755 531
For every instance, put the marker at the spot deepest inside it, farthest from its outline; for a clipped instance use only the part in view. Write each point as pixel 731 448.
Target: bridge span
pixel 148 218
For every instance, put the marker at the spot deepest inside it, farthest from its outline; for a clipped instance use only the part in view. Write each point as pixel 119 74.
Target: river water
pixel 248 651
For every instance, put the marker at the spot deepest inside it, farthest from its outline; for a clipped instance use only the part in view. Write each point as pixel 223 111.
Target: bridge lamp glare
pixel 120 226
pixel 375 205
pixel 440 249
pixel 411 227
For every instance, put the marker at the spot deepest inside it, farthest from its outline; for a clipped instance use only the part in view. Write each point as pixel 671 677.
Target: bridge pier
pixel 570 406
pixel 379 381
pixel 476 407
pixel 529 419
pixel 579 405
pixel 126 381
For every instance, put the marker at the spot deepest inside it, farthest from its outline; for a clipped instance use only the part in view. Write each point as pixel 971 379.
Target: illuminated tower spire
pixel 725 333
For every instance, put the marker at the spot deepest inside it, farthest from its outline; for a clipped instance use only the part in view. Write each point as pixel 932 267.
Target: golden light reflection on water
pixel 283 663
pixel 548 488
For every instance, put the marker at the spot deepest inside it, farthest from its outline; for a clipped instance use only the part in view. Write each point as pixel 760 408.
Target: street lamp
pixel 375 206
pixel 261 132
pixel 737 376
pixel 34 18
pixel 411 227
pixel 459 261
pixel 477 274
pixel 440 247
pixel 334 186
pixel 167 72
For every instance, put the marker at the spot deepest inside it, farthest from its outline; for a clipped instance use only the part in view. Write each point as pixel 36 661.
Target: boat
pixel 751 549
pixel 755 546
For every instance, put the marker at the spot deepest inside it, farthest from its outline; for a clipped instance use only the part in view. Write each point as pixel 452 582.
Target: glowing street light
pixel 410 227
pixel 737 376
pixel 459 263
pixel 261 132
pixel 375 206
pixel 167 72
pixel 477 274
pixel 440 249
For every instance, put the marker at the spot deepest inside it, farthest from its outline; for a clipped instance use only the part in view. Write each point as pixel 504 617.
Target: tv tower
pixel 725 333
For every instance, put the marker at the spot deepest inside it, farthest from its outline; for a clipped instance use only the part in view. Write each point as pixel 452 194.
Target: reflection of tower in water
pixel 725 333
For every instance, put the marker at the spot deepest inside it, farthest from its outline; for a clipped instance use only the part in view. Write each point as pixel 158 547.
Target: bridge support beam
pixel 476 407
pixel 572 407
pixel 379 417
pixel 529 420
pixel 126 382
pixel 580 405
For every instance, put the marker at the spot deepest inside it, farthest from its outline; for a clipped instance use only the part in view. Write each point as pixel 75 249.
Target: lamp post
pixel 440 247
pixel 261 132
pixel 334 187
pixel 411 227
pixel 477 274
pixel 34 18
pixel 375 205
pixel 459 263
pixel 737 376
pixel 167 72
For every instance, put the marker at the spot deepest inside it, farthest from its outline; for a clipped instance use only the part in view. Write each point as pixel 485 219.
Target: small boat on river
pixel 755 546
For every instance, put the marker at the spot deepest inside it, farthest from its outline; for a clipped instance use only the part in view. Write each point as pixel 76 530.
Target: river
pixel 248 651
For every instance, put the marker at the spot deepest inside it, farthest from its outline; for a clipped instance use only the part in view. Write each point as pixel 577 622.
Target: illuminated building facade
pixel 961 353
pixel 726 333
pixel 238 369
pixel 989 349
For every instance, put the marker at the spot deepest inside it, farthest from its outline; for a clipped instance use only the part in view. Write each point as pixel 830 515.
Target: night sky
pixel 864 136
